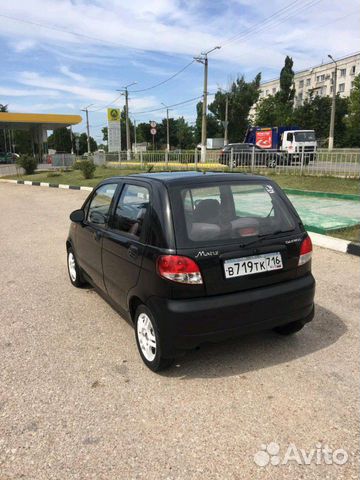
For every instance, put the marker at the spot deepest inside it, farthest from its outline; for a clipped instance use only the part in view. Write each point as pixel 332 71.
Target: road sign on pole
pixel 114 134
pixel 153 124
pixel 153 131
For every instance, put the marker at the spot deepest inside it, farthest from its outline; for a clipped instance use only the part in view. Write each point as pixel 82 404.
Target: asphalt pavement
pixel 76 402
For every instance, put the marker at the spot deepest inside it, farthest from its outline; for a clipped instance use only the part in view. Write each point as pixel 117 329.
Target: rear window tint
pixel 229 212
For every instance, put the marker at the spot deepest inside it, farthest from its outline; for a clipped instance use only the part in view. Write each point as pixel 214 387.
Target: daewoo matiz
pixel 194 257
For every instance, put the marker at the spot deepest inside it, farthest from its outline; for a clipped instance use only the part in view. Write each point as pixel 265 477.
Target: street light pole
pixel 333 108
pixel 204 60
pixel 125 92
pixel 86 110
pixel 167 128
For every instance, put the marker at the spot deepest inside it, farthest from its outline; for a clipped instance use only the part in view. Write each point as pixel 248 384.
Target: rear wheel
pixel 75 274
pixel 148 340
pixel 271 162
pixel 290 328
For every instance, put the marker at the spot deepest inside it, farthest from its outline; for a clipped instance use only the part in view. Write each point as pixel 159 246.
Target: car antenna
pixel 150 168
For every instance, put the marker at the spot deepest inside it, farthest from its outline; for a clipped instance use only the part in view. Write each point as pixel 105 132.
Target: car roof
pixel 178 178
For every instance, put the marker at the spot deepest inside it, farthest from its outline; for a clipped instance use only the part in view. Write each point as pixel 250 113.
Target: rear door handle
pixel 133 251
pixel 97 235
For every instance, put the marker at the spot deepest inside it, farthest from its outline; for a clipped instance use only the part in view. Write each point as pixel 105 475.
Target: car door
pixel 89 235
pixel 124 241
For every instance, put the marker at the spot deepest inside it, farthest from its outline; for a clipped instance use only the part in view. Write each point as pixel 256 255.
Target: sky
pixel 60 56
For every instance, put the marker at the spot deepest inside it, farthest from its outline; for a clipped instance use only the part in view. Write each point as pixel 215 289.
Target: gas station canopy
pixel 47 121
pixel 37 124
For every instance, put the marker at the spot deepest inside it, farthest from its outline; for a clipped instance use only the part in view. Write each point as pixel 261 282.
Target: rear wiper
pixel 264 236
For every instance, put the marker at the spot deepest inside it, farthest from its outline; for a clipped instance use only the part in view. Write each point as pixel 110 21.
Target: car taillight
pixel 305 251
pixel 179 269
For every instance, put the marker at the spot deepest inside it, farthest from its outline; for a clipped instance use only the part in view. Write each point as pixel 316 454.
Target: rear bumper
pixel 187 323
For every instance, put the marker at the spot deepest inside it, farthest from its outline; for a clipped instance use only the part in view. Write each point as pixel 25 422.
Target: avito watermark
pixel 270 454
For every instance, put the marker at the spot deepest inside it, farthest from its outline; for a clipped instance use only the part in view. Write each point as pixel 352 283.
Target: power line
pixel 108 105
pixel 267 19
pixel 70 32
pixel 169 106
pixel 274 22
pixel 164 81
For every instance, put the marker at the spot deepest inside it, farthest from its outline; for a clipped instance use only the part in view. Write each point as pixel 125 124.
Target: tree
pixel 242 96
pixel 83 144
pixel 143 132
pixel 315 114
pixel 3 107
pixel 185 134
pixel 213 126
pixel 60 140
pixel 23 143
pixel 352 122
pixel 287 89
pixel 277 109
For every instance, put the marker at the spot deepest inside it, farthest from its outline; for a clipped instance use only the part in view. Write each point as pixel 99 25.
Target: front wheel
pixel 74 271
pixel 148 340
pixel 290 328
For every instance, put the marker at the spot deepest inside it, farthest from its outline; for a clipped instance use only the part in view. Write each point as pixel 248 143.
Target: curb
pixel 45 184
pixel 309 193
pixel 337 244
pixel 324 241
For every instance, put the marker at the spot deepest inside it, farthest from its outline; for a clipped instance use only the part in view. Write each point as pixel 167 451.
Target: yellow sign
pixel 113 114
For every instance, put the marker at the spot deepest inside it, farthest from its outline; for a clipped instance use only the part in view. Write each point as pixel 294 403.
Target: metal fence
pixel 338 163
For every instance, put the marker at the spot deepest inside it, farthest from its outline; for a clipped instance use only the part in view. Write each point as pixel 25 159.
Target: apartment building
pixel 319 80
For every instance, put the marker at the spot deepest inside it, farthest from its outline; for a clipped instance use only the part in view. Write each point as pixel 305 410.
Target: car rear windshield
pixel 228 213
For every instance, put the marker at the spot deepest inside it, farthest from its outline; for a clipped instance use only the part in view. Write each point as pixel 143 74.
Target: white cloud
pixel 68 73
pixel 157 38
pixel 181 27
pixel 17 92
pixel 23 45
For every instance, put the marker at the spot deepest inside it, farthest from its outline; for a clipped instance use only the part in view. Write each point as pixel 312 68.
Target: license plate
pixel 238 267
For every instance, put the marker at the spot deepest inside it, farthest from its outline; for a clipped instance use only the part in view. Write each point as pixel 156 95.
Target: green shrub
pixel 77 165
pixel 53 174
pixel 88 168
pixel 28 163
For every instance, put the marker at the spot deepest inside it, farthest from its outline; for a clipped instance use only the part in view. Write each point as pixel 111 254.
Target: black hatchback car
pixel 193 257
pixel 246 154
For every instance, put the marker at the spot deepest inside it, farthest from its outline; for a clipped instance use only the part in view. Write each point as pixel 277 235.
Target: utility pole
pixel 135 143
pixel 333 108
pixel 86 110
pixel 225 123
pixel 226 141
pixel 167 128
pixel 204 60
pixel 125 92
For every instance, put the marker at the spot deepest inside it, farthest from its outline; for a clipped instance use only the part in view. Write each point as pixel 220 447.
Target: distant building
pixel 319 80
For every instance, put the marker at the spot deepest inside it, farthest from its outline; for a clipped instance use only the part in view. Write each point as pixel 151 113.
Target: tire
pixel 75 275
pixel 290 328
pixel 147 337
pixel 271 163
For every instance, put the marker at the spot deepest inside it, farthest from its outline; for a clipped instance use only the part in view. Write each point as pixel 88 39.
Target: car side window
pixel 98 211
pixel 131 210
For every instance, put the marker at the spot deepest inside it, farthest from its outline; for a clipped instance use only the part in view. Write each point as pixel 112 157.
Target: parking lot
pixel 77 402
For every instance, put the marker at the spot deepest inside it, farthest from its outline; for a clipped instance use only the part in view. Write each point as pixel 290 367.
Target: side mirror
pixel 77 216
